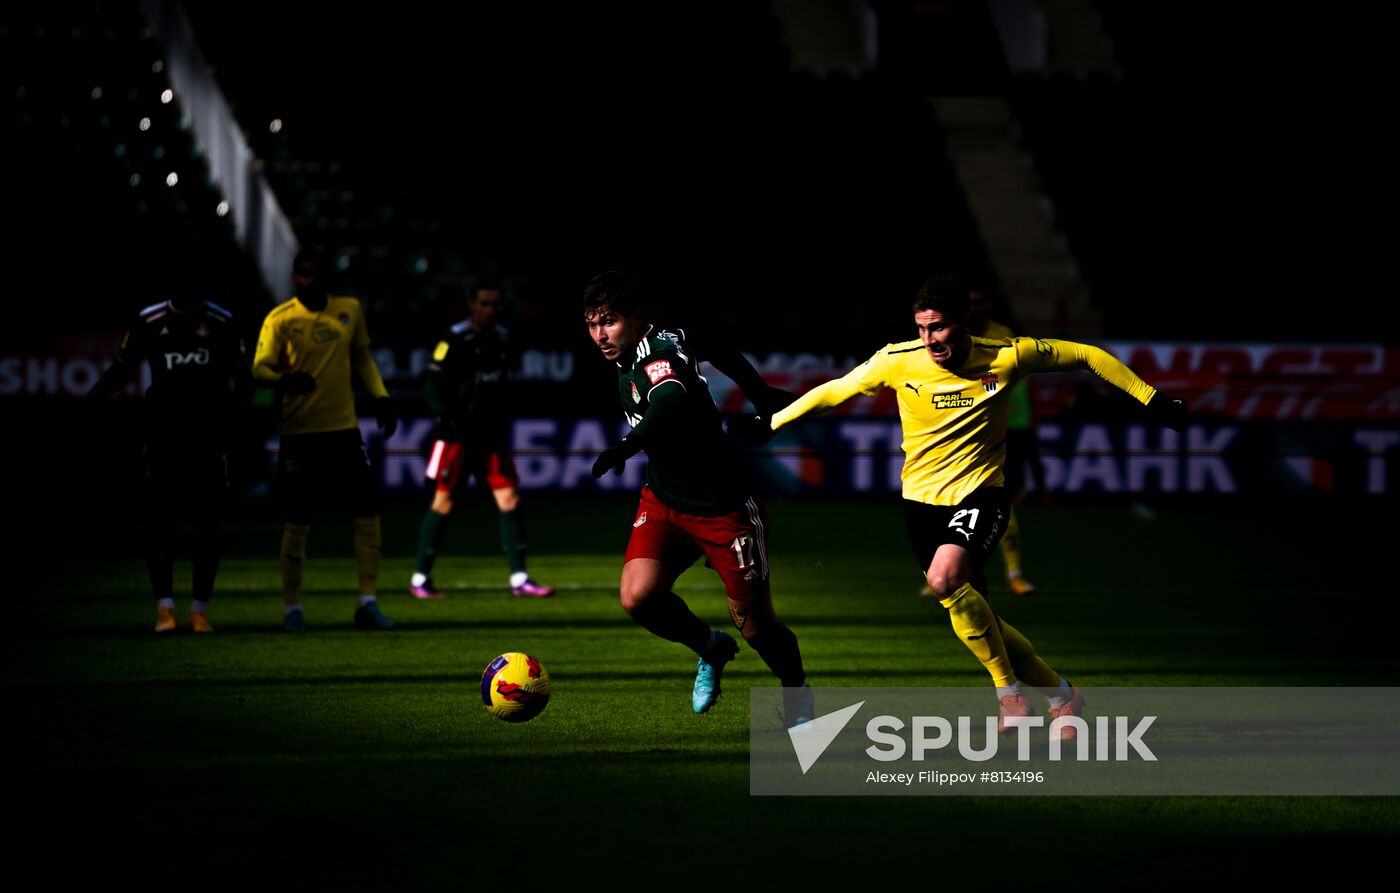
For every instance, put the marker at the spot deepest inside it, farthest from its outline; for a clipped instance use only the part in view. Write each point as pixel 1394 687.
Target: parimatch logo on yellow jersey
pixel 950 401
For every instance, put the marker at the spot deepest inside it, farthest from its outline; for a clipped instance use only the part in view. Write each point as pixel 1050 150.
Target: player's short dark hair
pixel 312 254
pixel 946 293
pixel 484 285
pixel 621 293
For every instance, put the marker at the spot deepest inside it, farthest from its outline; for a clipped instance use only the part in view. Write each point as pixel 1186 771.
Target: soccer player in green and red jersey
pixel 698 500
pixel 467 389
pixel 953 403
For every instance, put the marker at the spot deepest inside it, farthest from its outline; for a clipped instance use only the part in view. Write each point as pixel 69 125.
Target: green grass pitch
pixel 365 759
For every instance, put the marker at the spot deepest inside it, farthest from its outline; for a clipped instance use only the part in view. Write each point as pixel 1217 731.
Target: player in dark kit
pixel 698 499
pixel 199 378
pixel 467 384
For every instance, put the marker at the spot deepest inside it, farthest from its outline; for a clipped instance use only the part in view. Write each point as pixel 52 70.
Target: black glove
pixel 297 383
pixel 1167 411
pixel 384 415
pixel 614 457
pixel 750 430
pixel 772 400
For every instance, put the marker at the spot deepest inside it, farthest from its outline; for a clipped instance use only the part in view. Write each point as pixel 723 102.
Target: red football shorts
pixel 735 545
pixel 451 462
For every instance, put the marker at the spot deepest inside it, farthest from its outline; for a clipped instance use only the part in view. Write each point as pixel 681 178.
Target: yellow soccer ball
pixel 515 687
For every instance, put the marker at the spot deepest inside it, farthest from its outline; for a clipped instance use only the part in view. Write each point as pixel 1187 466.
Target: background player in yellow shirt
pixel 952 391
pixel 307 350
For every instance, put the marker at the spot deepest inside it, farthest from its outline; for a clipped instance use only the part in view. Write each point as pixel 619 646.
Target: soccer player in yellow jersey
pixel 1020 444
pixel 307 350
pixel 953 389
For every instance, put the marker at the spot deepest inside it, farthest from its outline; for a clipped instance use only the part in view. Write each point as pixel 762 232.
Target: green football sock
pixel 513 539
pixel 430 538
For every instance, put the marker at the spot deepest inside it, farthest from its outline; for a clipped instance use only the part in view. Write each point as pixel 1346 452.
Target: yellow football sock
pixel 367 553
pixel 1011 546
pixel 976 624
pixel 293 561
pixel 1028 665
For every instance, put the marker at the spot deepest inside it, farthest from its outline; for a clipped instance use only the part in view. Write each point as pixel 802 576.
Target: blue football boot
pixel 707 672
pixel 368 616
pixel 798 706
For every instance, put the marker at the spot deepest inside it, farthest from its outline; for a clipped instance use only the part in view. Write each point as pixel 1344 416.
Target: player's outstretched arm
pixel 1053 355
pixel 867 378
pixel 819 399
pixel 756 430
pixel 728 359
